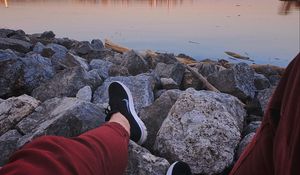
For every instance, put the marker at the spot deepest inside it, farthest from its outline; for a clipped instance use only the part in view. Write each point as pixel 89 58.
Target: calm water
pixel 199 28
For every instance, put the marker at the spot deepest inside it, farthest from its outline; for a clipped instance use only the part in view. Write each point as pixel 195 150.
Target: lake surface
pixel 199 28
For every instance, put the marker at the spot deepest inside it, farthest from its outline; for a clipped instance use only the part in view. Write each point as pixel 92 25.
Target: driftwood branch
pixel 115 47
pixel 185 62
pixel 202 79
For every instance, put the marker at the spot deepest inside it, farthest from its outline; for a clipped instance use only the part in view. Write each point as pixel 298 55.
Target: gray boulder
pixel 150 58
pixel 243 144
pixel 135 63
pixel 174 71
pixel 38 48
pixel 8 53
pixel 95 76
pixel 15 44
pixel 264 97
pixel 118 70
pixel 168 83
pixel 22 75
pixel 154 115
pixel 74 60
pixel 36 37
pixel 103 53
pixel 273 73
pixel 47 52
pixel 18 34
pixel 8 145
pixel 252 127
pixel 59 50
pixel 261 82
pixel 158 93
pixel 48 35
pixel 141 87
pixel 66 42
pixel 10 73
pixel 15 109
pixel 237 81
pixel 166 58
pixel 65 83
pixel 4 33
pixel 83 48
pixel 207 68
pixel 85 93
pixel 97 44
pixel 117 59
pixel 190 81
pixel 153 59
pixel 37 70
pixel 142 162
pixel 57 53
pixel 67 117
pixel 202 129
pixel 102 66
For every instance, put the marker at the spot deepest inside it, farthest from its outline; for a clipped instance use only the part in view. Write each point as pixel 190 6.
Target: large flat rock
pixel 67 117
pixel 15 44
pixel 66 84
pixel 15 109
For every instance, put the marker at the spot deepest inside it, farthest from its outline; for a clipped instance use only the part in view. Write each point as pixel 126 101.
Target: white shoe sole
pixel 170 170
pixel 137 119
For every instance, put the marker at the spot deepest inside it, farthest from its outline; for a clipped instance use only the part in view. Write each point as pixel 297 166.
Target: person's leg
pixel 275 149
pixel 100 151
pixel 103 150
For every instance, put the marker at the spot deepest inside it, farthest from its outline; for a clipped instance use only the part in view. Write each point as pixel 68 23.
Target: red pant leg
pixel 103 150
pixel 275 148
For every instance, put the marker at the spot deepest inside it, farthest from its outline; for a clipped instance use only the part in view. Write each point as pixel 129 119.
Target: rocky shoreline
pixel 57 86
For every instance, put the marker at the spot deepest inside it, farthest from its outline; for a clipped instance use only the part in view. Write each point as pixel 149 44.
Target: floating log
pixel 238 56
pixel 184 61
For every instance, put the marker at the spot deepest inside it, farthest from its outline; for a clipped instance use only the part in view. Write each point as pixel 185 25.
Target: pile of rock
pixel 58 86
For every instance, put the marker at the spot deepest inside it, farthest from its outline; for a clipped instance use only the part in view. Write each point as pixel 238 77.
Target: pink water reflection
pixel 200 28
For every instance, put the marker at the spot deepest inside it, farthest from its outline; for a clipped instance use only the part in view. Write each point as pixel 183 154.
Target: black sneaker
pixel 179 168
pixel 120 100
